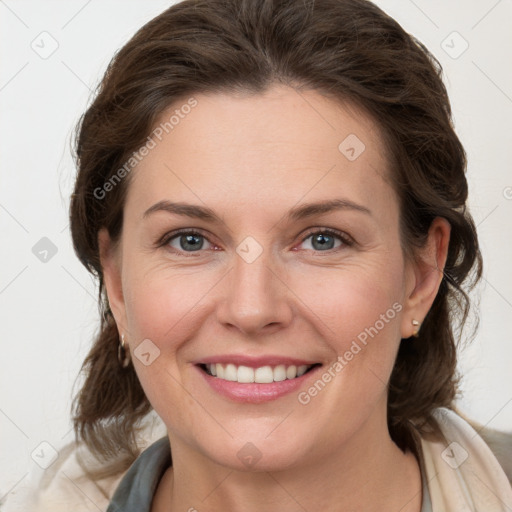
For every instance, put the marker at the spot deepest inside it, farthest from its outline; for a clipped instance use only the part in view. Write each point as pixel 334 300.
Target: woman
pixel 273 198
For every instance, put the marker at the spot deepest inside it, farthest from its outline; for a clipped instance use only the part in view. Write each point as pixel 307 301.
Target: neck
pixel 368 473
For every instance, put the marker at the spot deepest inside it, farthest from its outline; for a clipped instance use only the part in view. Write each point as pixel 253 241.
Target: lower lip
pixel 253 392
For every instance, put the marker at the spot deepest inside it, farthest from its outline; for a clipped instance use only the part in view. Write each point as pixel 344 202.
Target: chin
pixel 260 454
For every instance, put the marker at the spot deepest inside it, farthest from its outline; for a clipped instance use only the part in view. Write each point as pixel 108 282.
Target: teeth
pixel 279 373
pixel 230 372
pixel 245 374
pixel 291 372
pixel 261 375
pixel 301 370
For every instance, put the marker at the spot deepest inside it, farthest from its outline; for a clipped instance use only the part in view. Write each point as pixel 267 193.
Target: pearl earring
pixel 417 330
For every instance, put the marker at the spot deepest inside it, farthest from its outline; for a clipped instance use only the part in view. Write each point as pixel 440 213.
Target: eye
pixel 326 240
pixel 185 241
pixel 192 241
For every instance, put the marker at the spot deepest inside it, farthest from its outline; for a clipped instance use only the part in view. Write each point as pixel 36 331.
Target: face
pixel 251 282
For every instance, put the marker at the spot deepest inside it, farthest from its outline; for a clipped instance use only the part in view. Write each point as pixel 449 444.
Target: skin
pixel 251 159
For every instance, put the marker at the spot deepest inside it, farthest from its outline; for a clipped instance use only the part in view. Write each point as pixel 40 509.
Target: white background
pixel 49 311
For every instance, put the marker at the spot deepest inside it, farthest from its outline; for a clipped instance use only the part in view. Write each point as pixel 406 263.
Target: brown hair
pixel 349 50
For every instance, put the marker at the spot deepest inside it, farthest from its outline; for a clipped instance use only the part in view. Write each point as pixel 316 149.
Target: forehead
pixel 279 146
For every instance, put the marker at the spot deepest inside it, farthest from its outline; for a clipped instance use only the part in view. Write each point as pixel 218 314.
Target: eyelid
pixel 346 239
pixel 167 237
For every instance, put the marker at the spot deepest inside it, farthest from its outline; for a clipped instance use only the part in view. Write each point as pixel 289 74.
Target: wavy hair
pixel 349 50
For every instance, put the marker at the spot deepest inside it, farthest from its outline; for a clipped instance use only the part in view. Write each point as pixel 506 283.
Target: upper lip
pixel 255 362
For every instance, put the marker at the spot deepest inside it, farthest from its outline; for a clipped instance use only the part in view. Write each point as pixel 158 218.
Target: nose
pixel 255 297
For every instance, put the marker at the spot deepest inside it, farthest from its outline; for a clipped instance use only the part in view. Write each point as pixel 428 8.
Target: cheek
pixel 350 299
pixel 160 303
pixel 360 315
pixel 360 311
pixel 164 307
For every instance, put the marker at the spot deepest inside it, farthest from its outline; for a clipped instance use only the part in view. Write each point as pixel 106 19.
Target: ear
pixel 110 259
pixel 424 276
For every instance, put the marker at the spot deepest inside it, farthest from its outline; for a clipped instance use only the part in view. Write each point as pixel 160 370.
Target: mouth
pixel 255 380
pixel 266 374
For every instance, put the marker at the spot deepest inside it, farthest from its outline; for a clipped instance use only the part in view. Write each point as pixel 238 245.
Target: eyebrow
pixel 300 212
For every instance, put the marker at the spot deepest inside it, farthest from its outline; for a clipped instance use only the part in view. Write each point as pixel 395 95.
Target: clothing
pixel 463 473
pixel 460 474
pixel 136 490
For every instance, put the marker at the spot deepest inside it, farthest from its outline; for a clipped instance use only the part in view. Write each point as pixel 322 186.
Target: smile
pixel 260 375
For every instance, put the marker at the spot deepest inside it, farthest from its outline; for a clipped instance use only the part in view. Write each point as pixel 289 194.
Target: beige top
pixel 462 473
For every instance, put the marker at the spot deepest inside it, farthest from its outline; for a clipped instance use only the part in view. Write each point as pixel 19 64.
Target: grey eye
pixel 187 242
pixel 322 241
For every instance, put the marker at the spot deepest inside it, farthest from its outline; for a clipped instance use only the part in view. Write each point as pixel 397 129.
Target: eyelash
pixel 345 239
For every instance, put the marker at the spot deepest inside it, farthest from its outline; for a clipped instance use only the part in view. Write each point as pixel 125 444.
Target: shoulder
pixel 138 486
pixel 476 438
pixel 466 466
pixel 498 441
pixel 65 485
pixel 60 487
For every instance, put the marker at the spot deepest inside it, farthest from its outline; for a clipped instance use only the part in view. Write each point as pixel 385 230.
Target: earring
pixel 416 324
pixel 123 355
